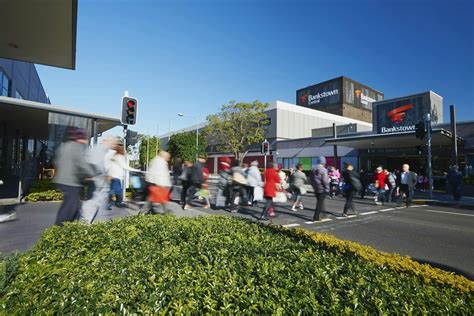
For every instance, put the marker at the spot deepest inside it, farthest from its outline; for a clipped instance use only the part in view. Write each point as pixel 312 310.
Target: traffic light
pixel 265 148
pixel 131 138
pixel 420 130
pixel 129 110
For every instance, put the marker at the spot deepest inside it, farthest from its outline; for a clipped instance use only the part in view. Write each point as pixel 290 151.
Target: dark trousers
pixel 116 188
pixel 349 201
pixel 69 209
pixel 268 205
pixel 191 192
pixel 320 197
pixel 184 191
pixel 408 192
pixel 362 192
pixel 250 194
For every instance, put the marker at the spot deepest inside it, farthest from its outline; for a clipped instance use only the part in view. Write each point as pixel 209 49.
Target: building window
pixel 18 95
pixel 4 84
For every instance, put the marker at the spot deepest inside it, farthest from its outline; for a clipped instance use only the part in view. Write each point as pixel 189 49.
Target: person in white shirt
pixel 117 166
pixel 159 175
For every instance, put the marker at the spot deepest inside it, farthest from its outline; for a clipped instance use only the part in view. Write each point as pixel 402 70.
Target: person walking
pixel 334 178
pixel 320 183
pixel 237 189
pixel 352 185
pixel 204 192
pixel 99 159
pixel 223 186
pixel 454 180
pixel 254 180
pixel 380 180
pixel 272 181
pixel 71 169
pixel 117 167
pixel 196 179
pixel 408 182
pixel 298 180
pixel 185 178
pixel 364 182
pixel 391 182
pixel 159 177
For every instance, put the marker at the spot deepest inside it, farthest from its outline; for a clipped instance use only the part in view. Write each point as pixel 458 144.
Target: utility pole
pixel 454 141
pixel 430 172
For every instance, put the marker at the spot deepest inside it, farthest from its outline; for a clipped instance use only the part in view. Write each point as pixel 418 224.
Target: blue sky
pixel 193 56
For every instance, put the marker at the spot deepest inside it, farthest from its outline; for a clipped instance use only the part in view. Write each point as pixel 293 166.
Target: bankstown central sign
pixel 315 99
pixel 397 129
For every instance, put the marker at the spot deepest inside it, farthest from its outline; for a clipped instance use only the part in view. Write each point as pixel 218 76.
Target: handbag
pixel 280 197
pixel 158 194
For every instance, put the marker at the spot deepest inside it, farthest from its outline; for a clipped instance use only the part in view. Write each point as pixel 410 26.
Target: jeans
pixel 116 188
pixel 320 197
pixel 69 209
pixel 296 195
pixel 191 192
pixel 380 195
pixel 349 201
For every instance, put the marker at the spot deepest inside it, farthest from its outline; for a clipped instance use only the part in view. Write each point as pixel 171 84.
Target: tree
pixel 237 126
pixel 183 145
pixel 153 144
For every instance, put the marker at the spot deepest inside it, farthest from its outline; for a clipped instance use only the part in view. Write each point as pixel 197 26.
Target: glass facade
pixel 4 84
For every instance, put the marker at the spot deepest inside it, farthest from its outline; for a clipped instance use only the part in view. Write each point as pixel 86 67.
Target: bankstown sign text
pixel 397 129
pixel 316 98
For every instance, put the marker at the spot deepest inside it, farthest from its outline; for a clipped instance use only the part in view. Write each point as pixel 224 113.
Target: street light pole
pixel 430 172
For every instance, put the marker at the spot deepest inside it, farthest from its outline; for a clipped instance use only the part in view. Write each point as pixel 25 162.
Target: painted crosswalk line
pixel 291 225
pixel 368 213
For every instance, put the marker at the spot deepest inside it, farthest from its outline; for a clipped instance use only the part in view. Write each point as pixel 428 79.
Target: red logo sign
pixel 398 115
pixel 304 99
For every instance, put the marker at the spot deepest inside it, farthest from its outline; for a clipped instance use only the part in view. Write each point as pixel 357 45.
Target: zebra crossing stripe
pixel 291 225
pixel 368 213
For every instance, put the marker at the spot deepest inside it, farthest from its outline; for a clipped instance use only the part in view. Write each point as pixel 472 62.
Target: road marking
pixel 387 209
pixel 368 213
pixel 323 220
pixel 291 225
pixel 349 216
pixel 452 213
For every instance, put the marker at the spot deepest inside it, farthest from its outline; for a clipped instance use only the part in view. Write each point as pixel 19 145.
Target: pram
pixel 139 189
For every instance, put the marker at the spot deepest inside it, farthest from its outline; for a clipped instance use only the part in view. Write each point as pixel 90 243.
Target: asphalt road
pixel 440 236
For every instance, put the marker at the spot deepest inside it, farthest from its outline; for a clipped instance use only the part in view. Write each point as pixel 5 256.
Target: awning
pixel 440 137
pixel 33 118
pixel 40 32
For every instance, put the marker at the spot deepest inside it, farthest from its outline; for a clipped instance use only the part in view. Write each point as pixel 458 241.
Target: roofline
pixel 315 84
pixel 56 109
pixel 363 84
pixel 341 77
pixel 405 97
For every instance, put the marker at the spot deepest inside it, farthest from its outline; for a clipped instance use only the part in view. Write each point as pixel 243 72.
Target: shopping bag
pixel 159 194
pixel 280 197
pixel 258 194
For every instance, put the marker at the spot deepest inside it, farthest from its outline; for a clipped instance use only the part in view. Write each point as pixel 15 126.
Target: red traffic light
pixel 130 103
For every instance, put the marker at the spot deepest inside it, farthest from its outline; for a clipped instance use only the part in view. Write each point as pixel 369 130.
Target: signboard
pixel 321 94
pixel 401 115
pixel 359 95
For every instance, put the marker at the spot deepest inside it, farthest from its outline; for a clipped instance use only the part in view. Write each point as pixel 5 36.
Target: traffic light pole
pixel 430 172
pixel 125 178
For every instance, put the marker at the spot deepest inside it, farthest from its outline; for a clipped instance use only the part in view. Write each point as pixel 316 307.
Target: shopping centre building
pixel 369 131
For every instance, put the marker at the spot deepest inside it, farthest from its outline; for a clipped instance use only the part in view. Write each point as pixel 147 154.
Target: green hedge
pixel 44 190
pixel 8 270
pixel 168 265
pixel 42 186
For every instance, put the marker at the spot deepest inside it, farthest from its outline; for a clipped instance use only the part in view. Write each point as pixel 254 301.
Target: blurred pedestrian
pixel 118 165
pixel 254 180
pixel 223 186
pixel 71 169
pixel 352 185
pixel 195 181
pixel 204 193
pixel 391 182
pixel 364 182
pixel 99 159
pixel 408 181
pixel 334 177
pixel 272 183
pixel 320 183
pixel 185 178
pixel 238 186
pixel 454 180
pixel 159 177
pixel 298 189
pixel 380 182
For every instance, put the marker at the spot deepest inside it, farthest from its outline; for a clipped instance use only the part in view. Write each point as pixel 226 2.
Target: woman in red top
pixel 380 179
pixel 270 189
